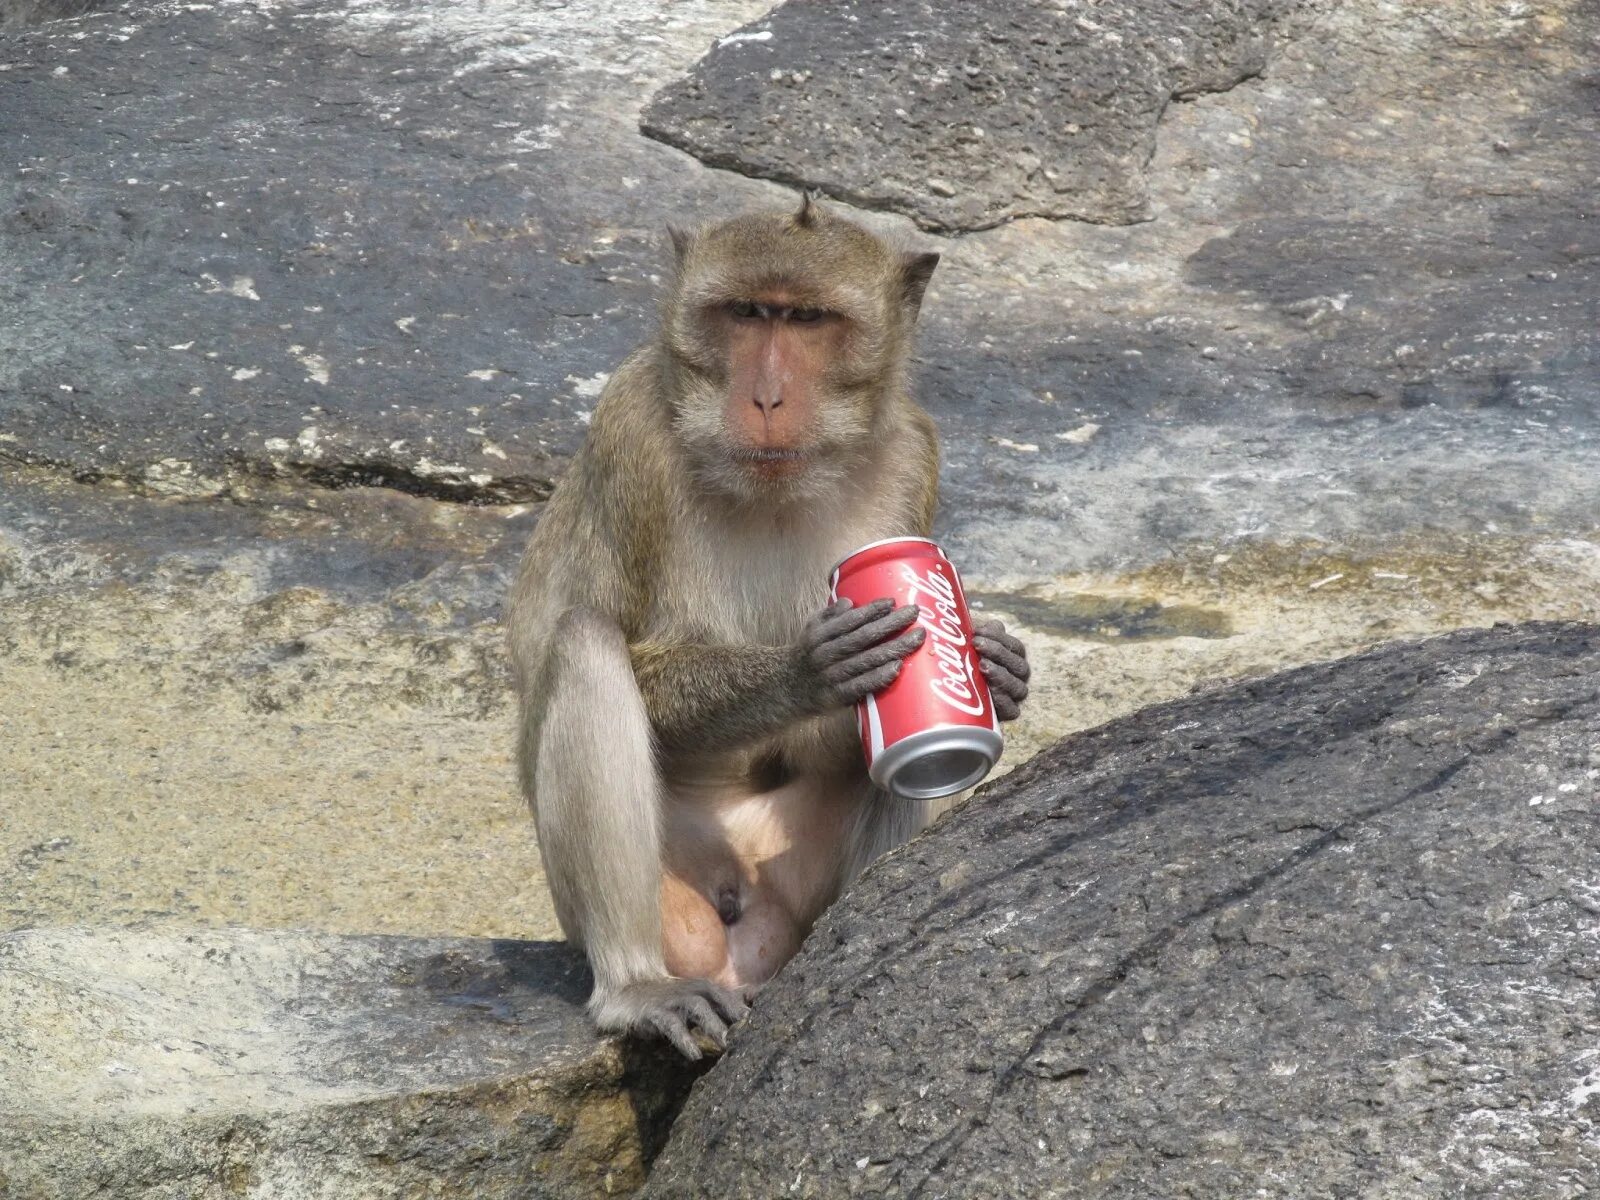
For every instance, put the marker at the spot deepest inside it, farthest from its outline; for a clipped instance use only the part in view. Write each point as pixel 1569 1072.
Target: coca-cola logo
pixel 940 615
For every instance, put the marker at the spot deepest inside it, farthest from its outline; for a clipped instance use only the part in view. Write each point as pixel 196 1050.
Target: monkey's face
pixel 789 332
pixel 774 416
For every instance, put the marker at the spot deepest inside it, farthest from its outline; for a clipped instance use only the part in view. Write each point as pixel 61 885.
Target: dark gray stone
pixel 961 116
pixel 1329 933
pixel 16 13
pixel 357 545
pixel 235 1062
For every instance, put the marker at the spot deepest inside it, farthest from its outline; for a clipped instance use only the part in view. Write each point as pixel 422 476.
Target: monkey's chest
pixel 756 587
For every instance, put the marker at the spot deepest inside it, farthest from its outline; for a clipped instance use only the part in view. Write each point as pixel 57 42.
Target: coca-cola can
pixel 933 731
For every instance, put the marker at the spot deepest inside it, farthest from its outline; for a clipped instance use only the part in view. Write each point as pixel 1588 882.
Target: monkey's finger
pixel 697 1011
pixel 875 656
pixel 838 649
pixel 998 652
pixel 729 1001
pixel 670 1026
pixel 1005 707
pixel 836 624
pixel 873 681
pixel 1002 680
pixel 997 631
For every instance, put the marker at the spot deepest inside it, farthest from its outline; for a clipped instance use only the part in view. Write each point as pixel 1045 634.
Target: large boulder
pixel 962 115
pixel 285 1066
pixel 1334 932
pixel 343 243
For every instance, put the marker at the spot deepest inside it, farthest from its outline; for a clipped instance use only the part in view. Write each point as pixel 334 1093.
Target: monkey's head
pixel 787 334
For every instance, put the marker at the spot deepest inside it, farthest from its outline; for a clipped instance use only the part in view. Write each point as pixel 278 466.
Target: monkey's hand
pixel 1004 663
pixel 847 653
pixel 670 1008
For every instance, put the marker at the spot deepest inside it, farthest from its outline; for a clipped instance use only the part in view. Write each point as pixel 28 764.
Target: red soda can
pixel 933 731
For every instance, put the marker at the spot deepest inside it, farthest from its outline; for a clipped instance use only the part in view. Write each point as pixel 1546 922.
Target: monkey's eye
pixel 806 316
pixel 745 310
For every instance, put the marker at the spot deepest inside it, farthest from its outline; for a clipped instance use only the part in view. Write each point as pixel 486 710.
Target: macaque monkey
pixel 686 736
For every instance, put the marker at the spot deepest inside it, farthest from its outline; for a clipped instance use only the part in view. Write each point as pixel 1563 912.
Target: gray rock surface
pixel 403 243
pixel 14 13
pixel 1331 933
pixel 1341 388
pixel 325 239
pixel 287 1066
pixel 961 115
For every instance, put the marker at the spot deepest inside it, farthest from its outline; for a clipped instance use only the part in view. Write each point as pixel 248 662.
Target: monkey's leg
pixel 597 798
pixel 750 869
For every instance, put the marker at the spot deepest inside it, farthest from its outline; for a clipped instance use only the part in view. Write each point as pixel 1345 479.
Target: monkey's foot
pixel 671 1008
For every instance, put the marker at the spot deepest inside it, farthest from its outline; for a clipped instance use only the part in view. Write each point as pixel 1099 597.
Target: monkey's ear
pixel 682 239
pixel 810 209
pixel 915 271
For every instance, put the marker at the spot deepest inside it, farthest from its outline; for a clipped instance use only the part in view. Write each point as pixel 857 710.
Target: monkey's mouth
pixel 771 462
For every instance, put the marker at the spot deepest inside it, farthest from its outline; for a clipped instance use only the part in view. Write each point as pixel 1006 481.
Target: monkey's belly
pixel 746 874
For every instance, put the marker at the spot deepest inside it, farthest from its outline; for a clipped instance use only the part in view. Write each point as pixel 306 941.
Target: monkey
pixel 685 734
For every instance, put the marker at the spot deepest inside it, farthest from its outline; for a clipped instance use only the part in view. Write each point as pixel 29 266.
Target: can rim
pixel 910 537
pixel 987 743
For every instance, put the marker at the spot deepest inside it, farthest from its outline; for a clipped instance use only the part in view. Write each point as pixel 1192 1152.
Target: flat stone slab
pixel 1332 932
pixel 961 116
pixel 16 13
pixel 284 1065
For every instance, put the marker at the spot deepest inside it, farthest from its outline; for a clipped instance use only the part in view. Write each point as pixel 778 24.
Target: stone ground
pixel 271 437
pixel 210 1063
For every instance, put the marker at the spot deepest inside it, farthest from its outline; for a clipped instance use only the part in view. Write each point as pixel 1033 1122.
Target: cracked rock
pixel 1325 933
pixel 961 116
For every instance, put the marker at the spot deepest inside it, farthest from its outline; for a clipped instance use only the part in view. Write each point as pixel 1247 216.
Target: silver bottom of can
pixel 937 762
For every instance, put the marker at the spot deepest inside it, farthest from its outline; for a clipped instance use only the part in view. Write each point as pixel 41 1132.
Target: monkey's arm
pixel 716 697
pixel 706 697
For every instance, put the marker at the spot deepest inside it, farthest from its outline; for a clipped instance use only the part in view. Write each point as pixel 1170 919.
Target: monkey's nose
pixel 766 403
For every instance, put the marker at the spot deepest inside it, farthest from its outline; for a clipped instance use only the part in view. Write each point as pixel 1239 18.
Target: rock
pixel 16 13
pixel 1335 354
pixel 289 1065
pixel 348 244
pixel 1325 933
pixel 1031 109
pixel 1336 282
pixel 1339 326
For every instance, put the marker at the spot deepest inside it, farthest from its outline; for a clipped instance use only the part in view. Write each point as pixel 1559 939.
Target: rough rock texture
pixel 403 243
pixel 295 1066
pixel 1334 932
pixel 324 238
pixel 961 115
pixel 1342 388
pixel 32 12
